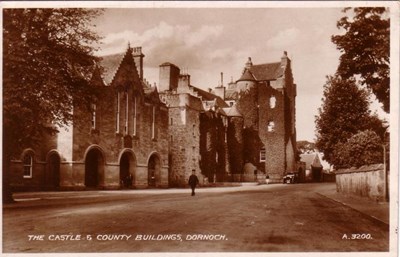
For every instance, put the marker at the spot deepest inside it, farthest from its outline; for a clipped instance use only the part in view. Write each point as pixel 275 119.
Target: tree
pixel 305 147
pixel 344 112
pixel 365 50
pixel 363 148
pixel 47 62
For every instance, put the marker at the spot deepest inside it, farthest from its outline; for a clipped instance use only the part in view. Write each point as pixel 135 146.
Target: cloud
pixel 196 48
pixel 180 42
pixel 284 38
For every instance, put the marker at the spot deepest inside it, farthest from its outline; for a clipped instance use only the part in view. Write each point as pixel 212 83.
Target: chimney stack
pixel 138 58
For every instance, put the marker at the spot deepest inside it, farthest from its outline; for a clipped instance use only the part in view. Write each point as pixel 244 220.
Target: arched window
pixel 28 165
pixel 271 126
pixel 272 102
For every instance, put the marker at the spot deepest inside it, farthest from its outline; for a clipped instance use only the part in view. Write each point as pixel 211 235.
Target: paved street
pixel 265 218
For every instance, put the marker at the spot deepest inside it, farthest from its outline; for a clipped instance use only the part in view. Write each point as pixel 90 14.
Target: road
pixel 265 218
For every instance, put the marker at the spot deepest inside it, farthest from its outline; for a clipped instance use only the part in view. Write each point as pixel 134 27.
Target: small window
pixel 194 130
pixel 262 154
pixel 93 107
pixel 28 163
pixel 272 102
pixel 171 121
pixel 271 126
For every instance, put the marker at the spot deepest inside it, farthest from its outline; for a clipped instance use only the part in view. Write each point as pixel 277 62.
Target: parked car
pixel 290 178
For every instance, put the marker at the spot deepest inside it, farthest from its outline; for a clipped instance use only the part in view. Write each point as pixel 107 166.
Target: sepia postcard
pixel 200 128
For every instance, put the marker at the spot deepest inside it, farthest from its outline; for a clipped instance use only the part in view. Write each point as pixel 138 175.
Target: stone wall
pixel 184 133
pixel 366 181
pixel 273 139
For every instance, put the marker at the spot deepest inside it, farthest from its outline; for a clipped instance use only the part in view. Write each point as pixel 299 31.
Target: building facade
pixel 138 136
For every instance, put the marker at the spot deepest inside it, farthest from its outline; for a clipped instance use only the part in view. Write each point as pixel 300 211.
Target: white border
pixel 394 106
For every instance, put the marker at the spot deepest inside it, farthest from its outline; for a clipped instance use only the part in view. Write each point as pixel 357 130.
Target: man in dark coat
pixel 193 181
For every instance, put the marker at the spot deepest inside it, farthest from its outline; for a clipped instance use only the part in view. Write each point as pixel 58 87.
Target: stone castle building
pixel 137 135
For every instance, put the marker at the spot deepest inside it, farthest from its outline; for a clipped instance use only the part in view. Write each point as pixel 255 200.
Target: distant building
pixel 313 167
pixel 137 135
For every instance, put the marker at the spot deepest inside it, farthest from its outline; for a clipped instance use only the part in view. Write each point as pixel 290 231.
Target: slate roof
pixel 231 94
pixel 267 71
pixel 247 76
pixel 206 96
pixel 110 63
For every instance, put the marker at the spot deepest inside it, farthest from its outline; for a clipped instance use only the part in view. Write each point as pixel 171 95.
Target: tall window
pixel 126 112
pixel 93 116
pixel 262 154
pixel 153 125
pixel 134 115
pixel 28 164
pixel 117 123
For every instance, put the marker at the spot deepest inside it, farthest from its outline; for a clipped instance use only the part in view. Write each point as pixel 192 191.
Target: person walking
pixel 193 181
pixel 267 179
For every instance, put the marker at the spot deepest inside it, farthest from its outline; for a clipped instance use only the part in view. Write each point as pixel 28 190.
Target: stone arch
pixel 154 169
pixel 27 151
pixel 53 162
pixel 127 168
pixel 94 166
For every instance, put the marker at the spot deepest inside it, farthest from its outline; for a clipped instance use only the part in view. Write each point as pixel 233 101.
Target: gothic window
pixel 153 124
pixel 93 107
pixel 134 115
pixel 117 121
pixel 272 102
pixel 28 164
pixel 126 112
pixel 271 126
pixel 262 154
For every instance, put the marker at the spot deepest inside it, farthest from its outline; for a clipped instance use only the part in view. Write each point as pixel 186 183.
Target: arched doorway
pixel 127 166
pixel 154 171
pixel 53 179
pixel 94 166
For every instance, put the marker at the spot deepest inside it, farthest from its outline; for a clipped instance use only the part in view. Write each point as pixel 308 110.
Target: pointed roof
pixel 267 71
pixel 247 76
pixel 311 160
pixel 232 111
pixel 96 78
pixel 110 63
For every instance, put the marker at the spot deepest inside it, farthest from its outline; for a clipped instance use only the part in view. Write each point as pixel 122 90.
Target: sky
pixel 208 41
